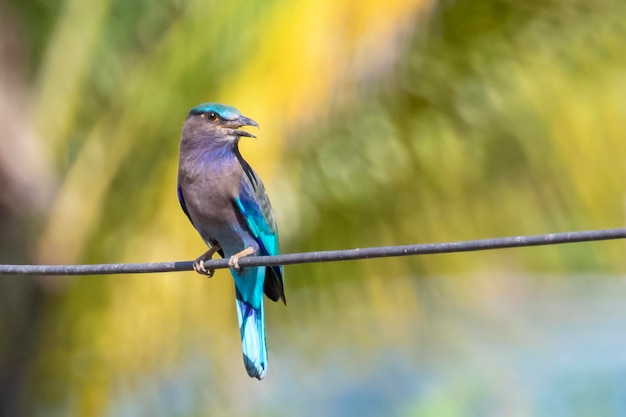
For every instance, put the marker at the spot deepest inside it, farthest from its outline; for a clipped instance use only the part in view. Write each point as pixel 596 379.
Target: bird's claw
pixel 198 264
pixel 233 262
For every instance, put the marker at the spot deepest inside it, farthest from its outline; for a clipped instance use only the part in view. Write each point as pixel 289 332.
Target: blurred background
pixel 383 122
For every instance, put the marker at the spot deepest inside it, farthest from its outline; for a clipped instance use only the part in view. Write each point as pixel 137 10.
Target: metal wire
pixel 324 256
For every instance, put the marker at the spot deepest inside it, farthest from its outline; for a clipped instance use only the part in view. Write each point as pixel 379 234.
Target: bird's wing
pixel 181 200
pixel 254 206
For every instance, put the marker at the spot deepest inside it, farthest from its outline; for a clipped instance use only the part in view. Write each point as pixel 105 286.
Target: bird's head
pixel 218 121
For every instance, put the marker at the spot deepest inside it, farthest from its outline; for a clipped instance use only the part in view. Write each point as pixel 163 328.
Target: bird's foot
pixel 198 264
pixel 233 262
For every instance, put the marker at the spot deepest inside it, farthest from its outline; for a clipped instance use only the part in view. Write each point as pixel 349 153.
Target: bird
pixel 226 202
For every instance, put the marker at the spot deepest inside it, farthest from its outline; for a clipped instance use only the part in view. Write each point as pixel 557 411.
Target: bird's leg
pixel 198 264
pixel 233 262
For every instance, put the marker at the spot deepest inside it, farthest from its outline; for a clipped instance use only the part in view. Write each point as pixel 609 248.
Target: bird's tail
pixel 252 328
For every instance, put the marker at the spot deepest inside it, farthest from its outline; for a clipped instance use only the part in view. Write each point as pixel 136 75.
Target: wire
pixel 323 256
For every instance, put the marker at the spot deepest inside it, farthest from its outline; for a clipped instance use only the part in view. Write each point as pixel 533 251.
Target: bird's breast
pixel 210 193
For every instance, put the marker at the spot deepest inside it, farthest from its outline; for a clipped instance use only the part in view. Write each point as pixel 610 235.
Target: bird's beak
pixel 242 121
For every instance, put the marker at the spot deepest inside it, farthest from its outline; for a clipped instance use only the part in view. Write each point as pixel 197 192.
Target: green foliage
pixel 510 129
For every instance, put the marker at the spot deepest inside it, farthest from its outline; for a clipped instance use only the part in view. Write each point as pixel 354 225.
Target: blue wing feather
pixel 254 206
pixel 265 237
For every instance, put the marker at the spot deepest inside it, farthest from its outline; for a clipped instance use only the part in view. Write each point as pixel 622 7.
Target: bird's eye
pixel 211 116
